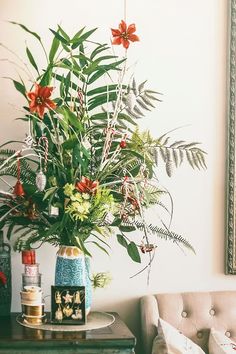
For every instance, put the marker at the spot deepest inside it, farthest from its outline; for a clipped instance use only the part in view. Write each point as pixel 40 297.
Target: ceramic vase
pixel 73 269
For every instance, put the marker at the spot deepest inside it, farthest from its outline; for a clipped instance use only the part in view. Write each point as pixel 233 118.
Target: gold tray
pixel 95 320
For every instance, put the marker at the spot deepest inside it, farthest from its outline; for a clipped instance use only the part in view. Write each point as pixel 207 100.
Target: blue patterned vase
pixel 73 269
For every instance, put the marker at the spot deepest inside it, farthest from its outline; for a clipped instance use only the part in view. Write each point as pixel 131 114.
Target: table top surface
pixel 13 334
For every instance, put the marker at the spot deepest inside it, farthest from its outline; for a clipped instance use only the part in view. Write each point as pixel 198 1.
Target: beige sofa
pixel 193 313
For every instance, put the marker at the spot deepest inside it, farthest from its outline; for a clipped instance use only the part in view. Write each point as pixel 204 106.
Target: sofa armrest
pixel 149 321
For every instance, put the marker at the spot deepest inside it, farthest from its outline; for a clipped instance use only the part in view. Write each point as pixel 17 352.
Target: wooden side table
pixel 17 339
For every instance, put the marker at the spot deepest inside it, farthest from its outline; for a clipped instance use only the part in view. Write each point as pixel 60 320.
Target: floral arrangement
pixel 85 171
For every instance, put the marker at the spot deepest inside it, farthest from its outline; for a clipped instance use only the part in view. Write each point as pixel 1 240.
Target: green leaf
pixel 82 246
pixel 62 79
pixel 122 241
pixel 99 116
pixel 46 78
pixel 76 66
pixel 99 246
pixel 66 47
pixel 23 119
pixel 77 35
pixel 101 99
pixel 135 153
pixel 82 38
pixel 68 83
pixel 70 143
pixel 97 75
pixel 99 49
pixel 20 87
pixel 54 48
pixel 135 171
pixel 116 222
pixel 49 192
pixel 26 29
pixel 72 118
pixel 76 157
pixel 59 37
pixel 105 57
pixel 90 69
pixel 85 152
pixel 9 231
pixel 103 69
pixel 52 229
pixel 2 224
pixel 31 59
pixel 124 228
pixel 64 221
pixel 133 252
pixel 103 89
pixel 64 34
pixel 30 189
pixel 83 60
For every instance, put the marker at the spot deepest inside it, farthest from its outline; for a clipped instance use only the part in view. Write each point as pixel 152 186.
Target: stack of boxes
pixel 31 294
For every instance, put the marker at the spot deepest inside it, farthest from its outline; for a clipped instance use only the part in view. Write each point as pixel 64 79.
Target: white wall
pixel 183 54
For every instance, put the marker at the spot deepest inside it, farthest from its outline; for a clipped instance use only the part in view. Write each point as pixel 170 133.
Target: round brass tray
pixel 95 320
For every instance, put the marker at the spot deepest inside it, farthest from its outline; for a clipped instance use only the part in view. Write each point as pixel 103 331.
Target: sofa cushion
pixel 220 343
pixel 170 341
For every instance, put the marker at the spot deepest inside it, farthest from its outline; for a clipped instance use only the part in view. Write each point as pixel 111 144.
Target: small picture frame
pixel 68 305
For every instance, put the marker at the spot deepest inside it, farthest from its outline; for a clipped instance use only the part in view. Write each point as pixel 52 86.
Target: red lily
pixel 39 99
pixel 3 278
pixel 86 185
pixel 124 35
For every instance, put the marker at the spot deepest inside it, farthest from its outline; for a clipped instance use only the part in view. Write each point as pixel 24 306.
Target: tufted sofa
pixel 193 313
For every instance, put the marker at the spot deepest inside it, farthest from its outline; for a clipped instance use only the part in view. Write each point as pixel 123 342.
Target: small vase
pixel 5 267
pixel 73 269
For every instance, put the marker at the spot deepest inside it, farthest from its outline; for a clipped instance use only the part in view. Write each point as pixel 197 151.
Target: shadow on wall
pixel 129 311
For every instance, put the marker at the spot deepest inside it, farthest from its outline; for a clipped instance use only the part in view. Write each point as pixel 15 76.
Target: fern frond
pixel 162 233
pixel 174 154
pixel 142 100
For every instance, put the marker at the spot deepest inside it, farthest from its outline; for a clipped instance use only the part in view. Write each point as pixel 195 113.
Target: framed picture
pixel 68 305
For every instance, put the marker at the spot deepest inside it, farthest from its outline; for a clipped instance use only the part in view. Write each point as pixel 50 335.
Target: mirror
pixel 231 153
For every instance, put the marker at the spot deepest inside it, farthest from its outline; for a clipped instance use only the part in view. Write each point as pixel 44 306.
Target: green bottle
pixel 5 277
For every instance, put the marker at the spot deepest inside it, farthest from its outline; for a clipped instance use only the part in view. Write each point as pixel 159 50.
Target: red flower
pixel 39 99
pixel 86 185
pixel 3 278
pixel 124 35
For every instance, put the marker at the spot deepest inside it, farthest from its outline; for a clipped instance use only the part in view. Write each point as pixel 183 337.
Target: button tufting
pixel 199 334
pixel 212 312
pixel 227 334
pixel 184 314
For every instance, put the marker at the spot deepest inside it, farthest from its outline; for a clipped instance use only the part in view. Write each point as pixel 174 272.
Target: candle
pixel 28 257
pixel 31 280
pixel 32 269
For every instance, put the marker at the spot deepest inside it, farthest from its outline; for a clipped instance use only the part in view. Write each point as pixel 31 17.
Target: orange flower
pixel 39 100
pixel 124 35
pixel 86 185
